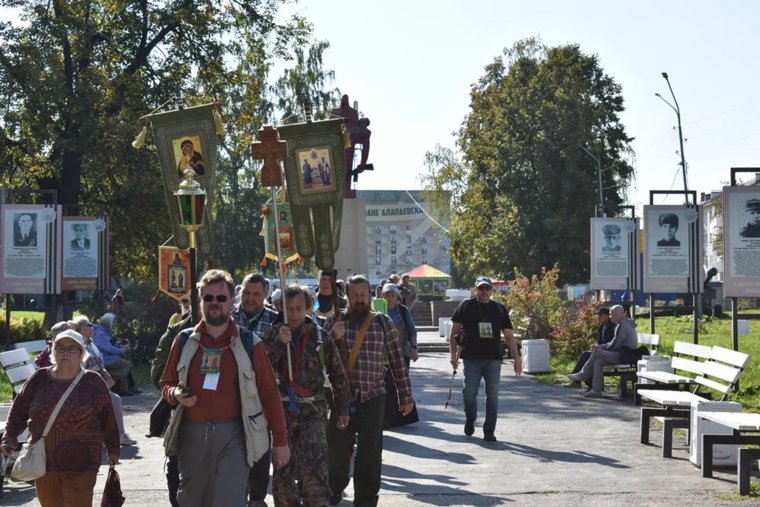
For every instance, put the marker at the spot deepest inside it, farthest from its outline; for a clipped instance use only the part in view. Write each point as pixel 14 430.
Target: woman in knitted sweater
pixel 86 421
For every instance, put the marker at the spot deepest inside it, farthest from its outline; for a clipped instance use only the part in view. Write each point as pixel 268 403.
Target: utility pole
pixel 677 109
pixel 588 152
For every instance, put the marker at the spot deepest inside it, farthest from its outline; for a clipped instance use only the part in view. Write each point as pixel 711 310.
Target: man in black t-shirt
pixel 482 321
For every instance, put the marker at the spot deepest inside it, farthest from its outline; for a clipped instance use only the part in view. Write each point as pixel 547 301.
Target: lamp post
pixel 599 174
pixel 677 109
pixel 191 200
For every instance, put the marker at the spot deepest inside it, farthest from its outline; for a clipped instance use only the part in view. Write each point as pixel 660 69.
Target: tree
pixel 529 192
pixel 76 76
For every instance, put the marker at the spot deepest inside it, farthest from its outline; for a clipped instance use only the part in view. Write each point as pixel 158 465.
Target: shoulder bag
pixel 32 462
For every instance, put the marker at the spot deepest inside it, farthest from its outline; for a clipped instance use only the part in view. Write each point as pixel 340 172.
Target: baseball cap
pixel 483 280
pixel 71 335
pixel 603 311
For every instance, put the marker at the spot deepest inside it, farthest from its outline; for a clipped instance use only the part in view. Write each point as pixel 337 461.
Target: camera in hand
pixel 183 389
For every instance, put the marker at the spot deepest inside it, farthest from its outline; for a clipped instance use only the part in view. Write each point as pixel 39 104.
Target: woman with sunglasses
pixel 85 422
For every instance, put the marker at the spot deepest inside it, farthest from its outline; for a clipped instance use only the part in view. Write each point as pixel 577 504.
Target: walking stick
pixel 451 385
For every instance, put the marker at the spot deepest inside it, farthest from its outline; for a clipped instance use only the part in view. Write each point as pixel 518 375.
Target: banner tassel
pixel 140 139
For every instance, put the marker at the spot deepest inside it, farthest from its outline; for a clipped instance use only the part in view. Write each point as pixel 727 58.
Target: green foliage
pixel 578 330
pixel 522 192
pixel 535 303
pixel 76 76
pixel 23 329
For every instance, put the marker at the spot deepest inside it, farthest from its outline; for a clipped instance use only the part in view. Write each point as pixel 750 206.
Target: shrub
pixel 535 303
pixel 23 330
pixel 577 332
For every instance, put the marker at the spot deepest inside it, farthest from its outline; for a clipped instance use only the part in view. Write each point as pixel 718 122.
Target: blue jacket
pixel 102 339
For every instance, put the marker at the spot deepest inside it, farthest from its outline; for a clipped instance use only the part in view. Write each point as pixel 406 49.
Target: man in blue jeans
pixel 483 322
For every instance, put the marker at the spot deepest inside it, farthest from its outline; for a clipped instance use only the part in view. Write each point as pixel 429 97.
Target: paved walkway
pixel 554 448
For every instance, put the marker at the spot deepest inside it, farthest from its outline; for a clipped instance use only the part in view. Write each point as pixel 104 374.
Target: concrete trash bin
pixel 535 356
pixel 653 363
pixel 723 455
pixel 442 325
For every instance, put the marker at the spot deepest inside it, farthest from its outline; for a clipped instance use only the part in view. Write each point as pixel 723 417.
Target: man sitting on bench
pixel 609 353
pixel 604 334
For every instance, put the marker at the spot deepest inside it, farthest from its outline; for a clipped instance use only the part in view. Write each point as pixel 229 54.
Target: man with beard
pixel 257 318
pixel 313 357
pixel 221 426
pixel 364 338
pixel 483 321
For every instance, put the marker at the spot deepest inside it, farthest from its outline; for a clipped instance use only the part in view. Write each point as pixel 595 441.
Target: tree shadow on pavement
pixel 444 491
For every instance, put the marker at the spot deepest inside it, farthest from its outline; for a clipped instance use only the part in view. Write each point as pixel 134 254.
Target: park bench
pixel 687 362
pixel 741 423
pixel 720 374
pixel 18 366
pixel 32 347
pixel 627 372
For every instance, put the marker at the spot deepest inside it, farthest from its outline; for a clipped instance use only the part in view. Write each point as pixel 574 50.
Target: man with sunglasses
pixel 228 398
pixel 257 318
pixel 482 320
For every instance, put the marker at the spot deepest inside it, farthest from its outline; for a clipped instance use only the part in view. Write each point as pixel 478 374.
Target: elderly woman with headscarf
pixel 83 326
pixel 402 319
pixel 85 422
pixel 113 356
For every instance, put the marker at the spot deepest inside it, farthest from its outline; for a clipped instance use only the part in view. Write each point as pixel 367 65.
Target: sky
pixel 410 65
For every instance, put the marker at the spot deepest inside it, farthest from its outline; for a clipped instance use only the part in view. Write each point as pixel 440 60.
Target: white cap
pixel 71 335
pixel 276 295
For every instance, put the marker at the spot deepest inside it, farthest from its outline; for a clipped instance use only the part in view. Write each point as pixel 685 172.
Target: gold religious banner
pixel 174 271
pixel 315 175
pixel 186 139
pixel 282 230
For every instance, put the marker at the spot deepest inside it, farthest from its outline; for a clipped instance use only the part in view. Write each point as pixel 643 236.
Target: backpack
pixel 633 356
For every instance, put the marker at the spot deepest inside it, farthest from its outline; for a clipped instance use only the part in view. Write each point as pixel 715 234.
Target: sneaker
pixel 575 377
pixel 469 427
pixel 135 390
pixel 573 384
pixel 488 436
pixel 591 394
pixel 336 498
pixel 127 440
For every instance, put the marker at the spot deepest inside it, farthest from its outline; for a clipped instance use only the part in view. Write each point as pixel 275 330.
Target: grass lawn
pixel 714 332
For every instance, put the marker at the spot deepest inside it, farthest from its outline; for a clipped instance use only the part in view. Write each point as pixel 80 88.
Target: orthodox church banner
pixel 315 175
pixel 174 271
pixel 186 138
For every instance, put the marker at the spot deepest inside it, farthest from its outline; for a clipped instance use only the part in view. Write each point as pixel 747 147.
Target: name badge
pixel 210 381
pixel 485 330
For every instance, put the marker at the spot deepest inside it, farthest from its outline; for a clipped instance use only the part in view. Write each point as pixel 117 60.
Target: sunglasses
pixel 67 350
pixel 220 298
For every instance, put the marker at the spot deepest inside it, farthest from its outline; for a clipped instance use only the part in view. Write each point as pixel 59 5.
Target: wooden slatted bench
pixel 32 347
pixel 627 372
pixel 720 373
pixel 741 423
pixel 687 362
